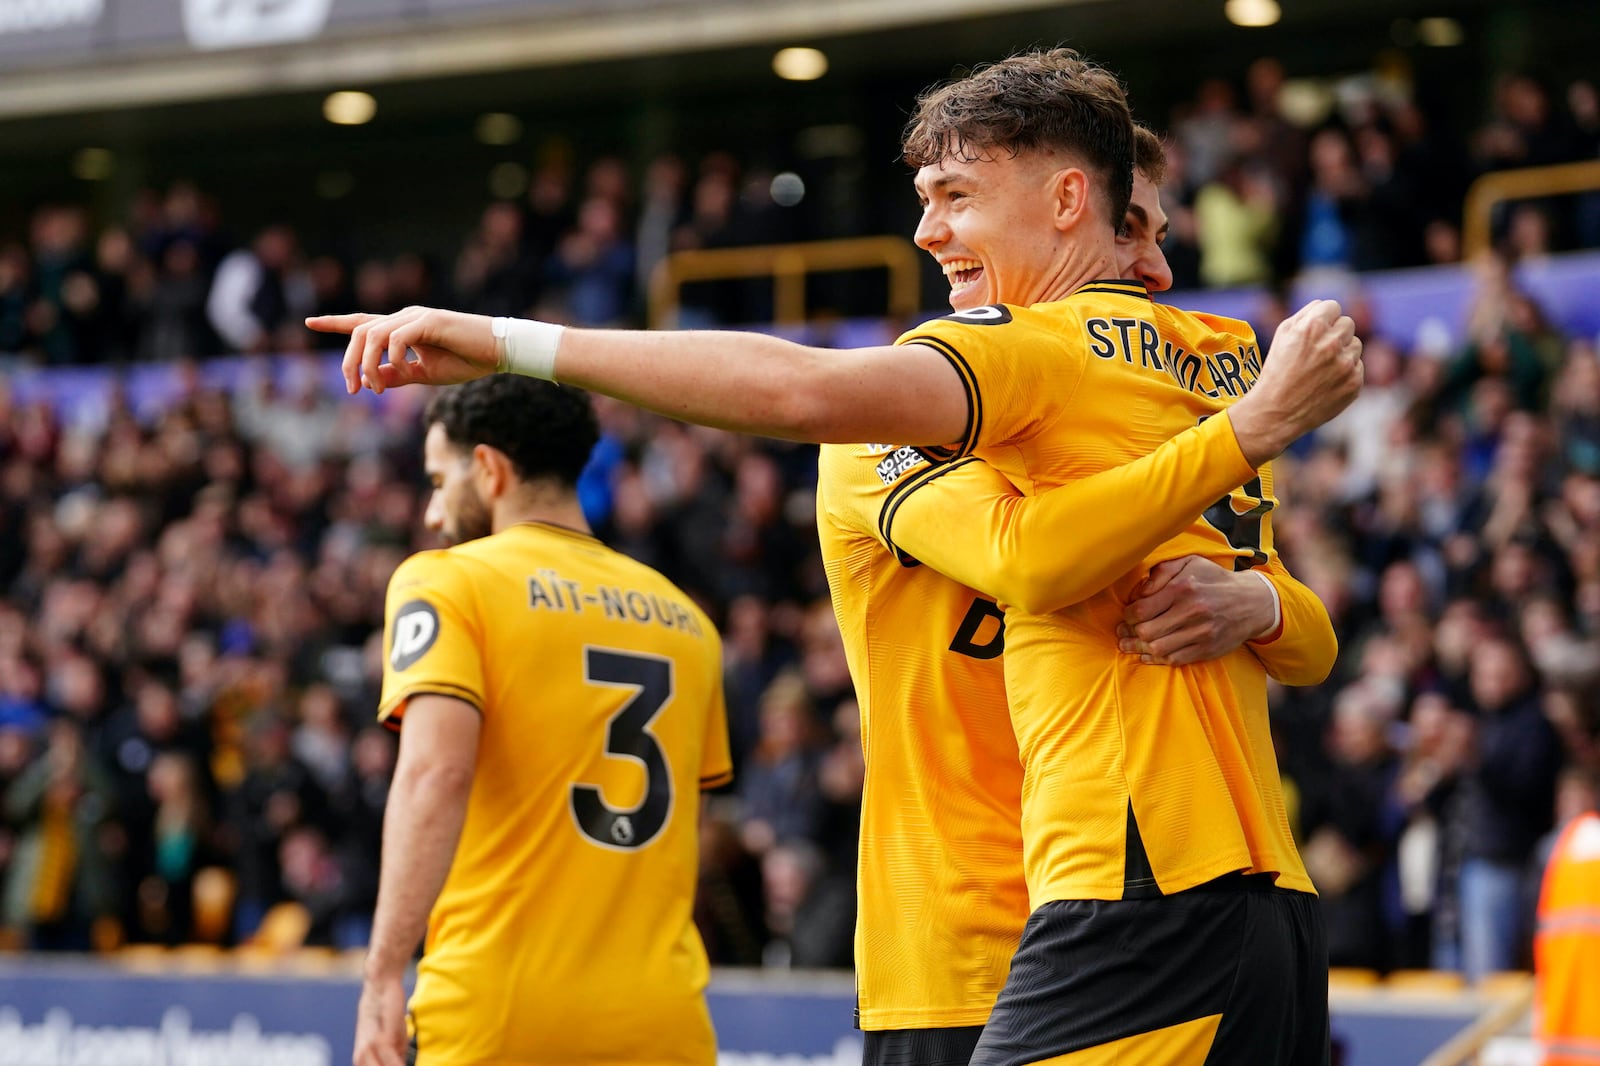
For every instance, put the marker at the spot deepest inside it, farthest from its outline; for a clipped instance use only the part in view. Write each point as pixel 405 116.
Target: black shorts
pixel 1231 972
pixel 920 1047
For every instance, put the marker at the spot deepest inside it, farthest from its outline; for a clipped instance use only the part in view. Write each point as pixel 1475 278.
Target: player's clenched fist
pixel 448 347
pixel 1311 374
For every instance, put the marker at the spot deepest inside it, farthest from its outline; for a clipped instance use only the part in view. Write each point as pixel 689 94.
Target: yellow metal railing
pixel 787 265
pixel 1524 184
pixel 1511 997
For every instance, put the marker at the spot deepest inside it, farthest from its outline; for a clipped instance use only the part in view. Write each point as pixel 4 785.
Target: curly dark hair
pixel 1051 99
pixel 546 430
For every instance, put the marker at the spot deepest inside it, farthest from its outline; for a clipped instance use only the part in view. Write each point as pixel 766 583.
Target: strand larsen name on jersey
pixel 549 591
pixel 1138 343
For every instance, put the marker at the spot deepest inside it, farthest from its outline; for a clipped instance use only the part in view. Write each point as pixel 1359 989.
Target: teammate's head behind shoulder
pixel 502 438
pixel 1144 228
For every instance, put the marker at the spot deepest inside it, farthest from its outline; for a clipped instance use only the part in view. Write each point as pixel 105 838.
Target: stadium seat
pixel 1348 978
pixel 144 958
pixel 1507 984
pixel 1426 982
pixel 215 889
pixel 283 929
pixel 197 958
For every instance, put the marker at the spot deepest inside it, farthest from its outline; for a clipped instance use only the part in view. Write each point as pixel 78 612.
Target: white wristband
pixel 523 346
pixel 1277 605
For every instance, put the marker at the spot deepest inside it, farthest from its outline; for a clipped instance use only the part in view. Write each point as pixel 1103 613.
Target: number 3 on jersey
pixel 628 737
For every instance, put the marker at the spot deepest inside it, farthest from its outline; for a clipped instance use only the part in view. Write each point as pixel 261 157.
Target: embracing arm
pixel 1303 648
pixel 1042 553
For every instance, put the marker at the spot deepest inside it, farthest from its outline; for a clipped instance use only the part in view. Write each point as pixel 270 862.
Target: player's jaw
pixel 455 511
pixel 468 518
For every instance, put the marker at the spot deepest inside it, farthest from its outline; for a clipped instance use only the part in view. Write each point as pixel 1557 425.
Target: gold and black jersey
pixel 940 888
pixel 1137 779
pixel 563 932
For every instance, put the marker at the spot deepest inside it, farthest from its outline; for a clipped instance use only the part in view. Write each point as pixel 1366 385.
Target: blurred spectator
pixel 1236 221
pixel 178 838
pixel 730 899
pixel 176 323
pixel 811 914
pixel 1437 749
pixel 779 786
pixel 593 266
pixel 1506 798
pixel 1336 228
pixel 316 879
pixel 261 293
pixel 1342 822
pixel 277 794
pixel 495 272
pixel 61 879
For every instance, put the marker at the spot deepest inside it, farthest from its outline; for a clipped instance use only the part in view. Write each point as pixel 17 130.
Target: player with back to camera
pixel 562 708
pixel 1157 853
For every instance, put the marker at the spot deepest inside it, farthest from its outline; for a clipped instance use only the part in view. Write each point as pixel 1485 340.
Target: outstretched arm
pixel 758 384
pixel 747 382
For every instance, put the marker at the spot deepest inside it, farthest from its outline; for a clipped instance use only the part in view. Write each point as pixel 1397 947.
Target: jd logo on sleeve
pixel 416 627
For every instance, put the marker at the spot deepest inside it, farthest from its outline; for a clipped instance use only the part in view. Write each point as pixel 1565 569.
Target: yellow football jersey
pixel 941 899
pixel 563 933
pixel 942 903
pixel 1137 779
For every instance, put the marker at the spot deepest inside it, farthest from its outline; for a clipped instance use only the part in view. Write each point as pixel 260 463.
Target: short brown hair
pixel 1045 99
pixel 1149 154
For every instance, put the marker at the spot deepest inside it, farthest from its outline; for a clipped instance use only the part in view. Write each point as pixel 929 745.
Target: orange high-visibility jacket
pixel 1567 948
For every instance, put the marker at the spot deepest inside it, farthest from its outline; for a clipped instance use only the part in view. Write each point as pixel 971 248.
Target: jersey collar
pixel 1115 287
pixel 553 527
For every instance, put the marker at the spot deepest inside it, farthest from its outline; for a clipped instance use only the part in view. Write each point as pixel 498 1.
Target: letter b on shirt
pixel 982 633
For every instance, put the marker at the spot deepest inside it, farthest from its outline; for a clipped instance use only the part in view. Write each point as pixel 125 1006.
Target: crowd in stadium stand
pixel 1255 197
pixel 1258 192
pixel 190 635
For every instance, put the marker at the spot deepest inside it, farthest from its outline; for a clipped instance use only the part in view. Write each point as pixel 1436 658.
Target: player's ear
pixel 1071 190
pixel 491 470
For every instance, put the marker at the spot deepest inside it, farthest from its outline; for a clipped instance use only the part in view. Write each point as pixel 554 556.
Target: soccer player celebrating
pixel 562 709
pixel 1159 867
pixel 942 896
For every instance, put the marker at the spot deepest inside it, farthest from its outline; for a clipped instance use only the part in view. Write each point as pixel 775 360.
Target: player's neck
pixel 1080 264
pixel 540 503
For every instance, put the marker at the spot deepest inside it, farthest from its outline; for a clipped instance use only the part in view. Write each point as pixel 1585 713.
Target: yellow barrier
pixel 787 265
pixel 1514 993
pixel 1524 184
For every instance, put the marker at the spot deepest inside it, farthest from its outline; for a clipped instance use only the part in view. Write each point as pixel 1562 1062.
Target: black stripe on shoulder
pixel 900 493
pixel 969 381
